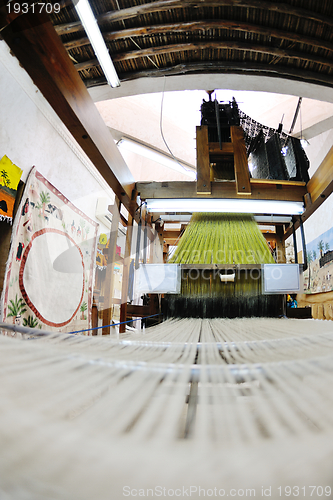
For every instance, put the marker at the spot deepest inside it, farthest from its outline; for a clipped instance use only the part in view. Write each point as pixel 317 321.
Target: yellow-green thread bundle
pixel 214 238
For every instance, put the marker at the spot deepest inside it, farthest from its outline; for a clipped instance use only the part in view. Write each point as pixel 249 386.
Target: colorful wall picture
pixel 50 270
pixel 319 275
pixel 10 176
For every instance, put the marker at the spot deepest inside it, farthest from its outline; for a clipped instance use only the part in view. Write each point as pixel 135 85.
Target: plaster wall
pixel 31 134
pixel 140 117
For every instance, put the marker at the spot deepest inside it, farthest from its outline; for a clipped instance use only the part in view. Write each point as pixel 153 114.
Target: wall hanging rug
pixel 50 270
pixel 10 176
pixel 319 275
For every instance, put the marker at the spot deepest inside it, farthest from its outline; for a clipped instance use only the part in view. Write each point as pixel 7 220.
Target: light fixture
pixel 277 219
pixel 273 207
pixel 90 25
pixel 151 154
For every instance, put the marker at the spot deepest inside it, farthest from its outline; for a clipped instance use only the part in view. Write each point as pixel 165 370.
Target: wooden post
pixel 109 278
pixel 94 312
pixel 280 246
pixel 126 267
pixel 203 163
pixel 242 173
pixel 157 250
pixel 305 256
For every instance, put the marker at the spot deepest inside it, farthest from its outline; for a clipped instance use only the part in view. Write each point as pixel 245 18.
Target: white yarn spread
pixel 190 408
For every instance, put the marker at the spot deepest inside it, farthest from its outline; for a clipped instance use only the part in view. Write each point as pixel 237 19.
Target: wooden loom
pixel 241 404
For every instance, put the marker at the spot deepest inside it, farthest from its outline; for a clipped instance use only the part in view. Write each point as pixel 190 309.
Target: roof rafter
pixel 185 47
pixel 217 67
pixel 205 25
pixel 224 67
pixel 165 5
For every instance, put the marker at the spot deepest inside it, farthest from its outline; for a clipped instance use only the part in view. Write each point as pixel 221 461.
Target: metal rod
pixel 218 125
pixel 298 107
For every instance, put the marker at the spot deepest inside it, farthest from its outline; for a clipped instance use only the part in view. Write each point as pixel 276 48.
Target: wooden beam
pixel 227 189
pixel 242 173
pixel 322 180
pixel 126 268
pixel 166 5
pixel 171 241
pixel 270 236
pixel 172 234
pixel 139 311
pixel 205 25
pixel 211 45
pixel 319 187
pixel 221 45
pixel 33 40
pixel 274 182
pixel 203 165
pixel 262 69
pixel 215 150
pixel 172 237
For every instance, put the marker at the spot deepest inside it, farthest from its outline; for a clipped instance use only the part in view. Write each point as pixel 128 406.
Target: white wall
pixel 322 219
pixel 31 134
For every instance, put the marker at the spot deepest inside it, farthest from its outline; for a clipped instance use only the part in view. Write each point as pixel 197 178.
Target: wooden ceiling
pixel 289 39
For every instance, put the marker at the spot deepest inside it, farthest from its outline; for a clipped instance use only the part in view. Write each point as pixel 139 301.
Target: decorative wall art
pixel 10 176
pixel 319 275
pixel 50 270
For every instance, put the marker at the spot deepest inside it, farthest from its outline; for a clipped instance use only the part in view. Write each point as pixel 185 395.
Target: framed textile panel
pixel 50 271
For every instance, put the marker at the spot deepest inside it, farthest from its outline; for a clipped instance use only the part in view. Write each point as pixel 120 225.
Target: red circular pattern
pixel 21 284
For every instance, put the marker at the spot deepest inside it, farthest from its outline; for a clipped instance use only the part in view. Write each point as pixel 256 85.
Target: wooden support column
pixel 280 245
pixel 126 268
pixel 203 163
pixel 242 173
pixel 157 250
pixel 111 256
pixel 305 255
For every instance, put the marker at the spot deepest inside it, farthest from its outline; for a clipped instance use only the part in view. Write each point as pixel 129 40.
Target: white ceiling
pixel 177 113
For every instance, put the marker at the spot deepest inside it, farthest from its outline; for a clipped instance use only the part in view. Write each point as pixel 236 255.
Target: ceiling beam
pixel 227 189
pixel 222 45
pixel 246 68
pixel 165 5
pixel 34 42
pixel 321 183
pixel 316 129
pixel 205 25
